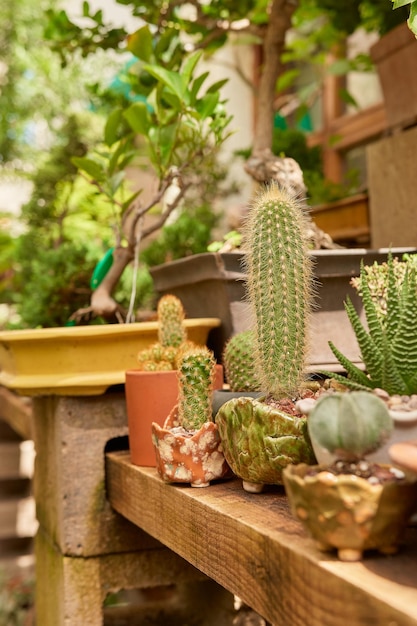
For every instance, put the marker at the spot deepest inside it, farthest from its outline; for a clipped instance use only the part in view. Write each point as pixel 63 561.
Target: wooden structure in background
pixel 345 220
pixel 392 184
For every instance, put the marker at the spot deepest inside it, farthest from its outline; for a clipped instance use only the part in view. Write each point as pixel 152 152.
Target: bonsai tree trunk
pixel 263 165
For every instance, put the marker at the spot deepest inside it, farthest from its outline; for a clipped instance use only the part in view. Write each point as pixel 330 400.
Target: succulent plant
pixel 279 288
pixel 196 381
pixel 388 345
pixel 350 425
pixel 238 362
pixel 171 330
pixel 172 338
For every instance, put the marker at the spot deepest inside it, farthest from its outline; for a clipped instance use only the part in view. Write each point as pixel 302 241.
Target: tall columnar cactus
pixel 350 425
pixel 171 330
pixel 196 382
pixel 279 271
pixel 238 362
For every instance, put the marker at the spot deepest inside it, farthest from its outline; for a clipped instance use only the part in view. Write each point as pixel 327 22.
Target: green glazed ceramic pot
pixel 259 441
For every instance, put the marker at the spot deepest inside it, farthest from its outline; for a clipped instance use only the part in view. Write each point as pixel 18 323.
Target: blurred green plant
pixel 16 599
pixel 181 124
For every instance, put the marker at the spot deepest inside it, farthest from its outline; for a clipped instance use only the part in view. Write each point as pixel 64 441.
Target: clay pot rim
pixel 297 473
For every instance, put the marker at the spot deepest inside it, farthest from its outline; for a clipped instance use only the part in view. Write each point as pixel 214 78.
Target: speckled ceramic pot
pixel 349 514
pixel 195 458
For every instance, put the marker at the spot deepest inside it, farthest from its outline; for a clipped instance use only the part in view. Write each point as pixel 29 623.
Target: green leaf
pixel 172 80
pixel 140 44
pixel 189 65
pixel 126 204
pixel 116 181
pixel 397 4
pixel 287 79
pixel 90 167
pixel 195 87
pixel 112 126
pixel 412 20
pixel 137 115
pixel 207 104
pixel 347 97
pixel 356 375
pixel 215 87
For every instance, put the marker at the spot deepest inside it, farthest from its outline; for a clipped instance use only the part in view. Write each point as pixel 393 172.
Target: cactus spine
pixel 238 362
pixel 172 338
pixel 196 381
pixel 171 330
pixel 351 425
pixel 279 288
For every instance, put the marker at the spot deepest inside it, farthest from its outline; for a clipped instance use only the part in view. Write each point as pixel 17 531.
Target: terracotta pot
pixel 349 514
pixel 196 458
pixel 404 455
pixel 150 397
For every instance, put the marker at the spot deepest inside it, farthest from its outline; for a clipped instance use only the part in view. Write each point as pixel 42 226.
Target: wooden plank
pixel 252 546
pixel 351 130
pixel 392 186
pixel 17 412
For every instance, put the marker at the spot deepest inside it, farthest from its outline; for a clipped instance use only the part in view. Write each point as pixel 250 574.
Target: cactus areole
pixel 279 281
pixel 350 425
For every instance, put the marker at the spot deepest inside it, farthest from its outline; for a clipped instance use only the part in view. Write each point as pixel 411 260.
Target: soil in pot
pixel 352 507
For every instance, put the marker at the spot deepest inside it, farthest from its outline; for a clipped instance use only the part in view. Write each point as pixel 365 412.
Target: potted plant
pixel 188 447
pixel 239 372
pixel 387 345
pixel 351 505
pixel 260 437
pixel 151 388
pixel 214 284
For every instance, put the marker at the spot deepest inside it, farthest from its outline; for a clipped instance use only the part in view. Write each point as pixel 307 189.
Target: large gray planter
pixel 213 285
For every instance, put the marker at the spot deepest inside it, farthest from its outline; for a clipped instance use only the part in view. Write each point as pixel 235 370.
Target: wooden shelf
pixel 252 546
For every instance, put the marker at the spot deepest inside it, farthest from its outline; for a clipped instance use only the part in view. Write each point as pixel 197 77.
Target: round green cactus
pixel 171 329
pixel 279 288
pixel 238 362
pixel 196 381
pixel 350 425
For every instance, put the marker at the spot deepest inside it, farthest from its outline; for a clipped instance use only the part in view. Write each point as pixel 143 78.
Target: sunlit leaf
pixel 90 167
pixel 138 117
pixel 287 79
pixel 140 44
pixel 189 65
pixel 116 181
pixel 207 104
pixel 217 85
pixel 112 126
pixel 172 80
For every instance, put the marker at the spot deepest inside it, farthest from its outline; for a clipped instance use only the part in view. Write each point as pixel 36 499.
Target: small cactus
pixel 279 289
pixel 172 336
pixel 171 330
pixel 238 362
pixel 196 381
pixel 350 425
